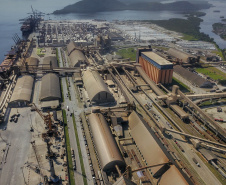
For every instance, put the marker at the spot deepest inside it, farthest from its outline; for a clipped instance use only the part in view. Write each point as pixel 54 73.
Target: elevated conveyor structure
pixel 209 121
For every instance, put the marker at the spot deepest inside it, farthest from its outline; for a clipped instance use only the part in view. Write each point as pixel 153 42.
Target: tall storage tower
pixel 157 68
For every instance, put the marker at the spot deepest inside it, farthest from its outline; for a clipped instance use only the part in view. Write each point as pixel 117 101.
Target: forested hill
pixel 89 6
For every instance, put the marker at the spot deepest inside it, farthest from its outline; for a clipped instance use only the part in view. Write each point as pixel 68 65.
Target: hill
pixel 89 6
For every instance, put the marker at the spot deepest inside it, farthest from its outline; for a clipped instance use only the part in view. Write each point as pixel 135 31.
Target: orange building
pixel 157 68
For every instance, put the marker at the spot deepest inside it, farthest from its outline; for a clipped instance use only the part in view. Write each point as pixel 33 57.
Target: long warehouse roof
pixel 152 152
pixel 46 62
pixel 106 146
pixel 149 148
pixel 23 89
pixel 50 89
pixel 95 85
pixel 75 54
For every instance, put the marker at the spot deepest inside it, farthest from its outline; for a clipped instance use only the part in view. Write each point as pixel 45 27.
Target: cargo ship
pixel 28 26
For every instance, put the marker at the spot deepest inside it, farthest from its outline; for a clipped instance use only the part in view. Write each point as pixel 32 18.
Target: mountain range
pixel 91 6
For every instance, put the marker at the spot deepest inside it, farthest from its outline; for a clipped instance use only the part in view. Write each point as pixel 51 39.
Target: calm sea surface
pixel 13 10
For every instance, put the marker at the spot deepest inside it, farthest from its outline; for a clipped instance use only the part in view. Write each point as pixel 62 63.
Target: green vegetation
pixel 79 152
pixel 208 103
pixel 68 148
pixel 40 52
pixel 57 55
pixel 189 37
pixel 212 72
pixel 127 53
pixel 62 91
pixel 68 90
pixel 184 88
pixel 87 6
pixel 189 27
pixel 213 102
pixel 220 29
pixel 212 169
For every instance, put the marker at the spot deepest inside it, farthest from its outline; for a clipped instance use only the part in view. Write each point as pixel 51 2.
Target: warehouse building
pixel 22 93
pixel 193 78
pixel 157 68
pixel 32 63
pixel 50 88
pixel 97 90
pixel 182 56
pixel 50 62
pixel 152 153
pixel 76 55
pixel 107 149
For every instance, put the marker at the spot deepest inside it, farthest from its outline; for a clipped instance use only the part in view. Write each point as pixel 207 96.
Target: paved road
pixel 189 151
pixel 19 136
pixel 73 108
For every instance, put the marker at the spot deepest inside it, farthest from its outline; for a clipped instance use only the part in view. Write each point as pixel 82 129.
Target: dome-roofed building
pixel 108 151
pixel 22 93
pixel 50 88
pixel 76 55
pixel 50 62
pixel 97 90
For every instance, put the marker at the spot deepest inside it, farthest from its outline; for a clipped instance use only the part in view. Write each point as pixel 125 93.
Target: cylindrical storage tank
pixel 106 146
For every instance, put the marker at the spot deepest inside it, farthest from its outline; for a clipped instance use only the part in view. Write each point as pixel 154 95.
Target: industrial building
pixel 97 90
pixel 50 88
pixel 76 55
pixel 32 63
pixel 192 77
pixel 50 62
pixel 22 93
pixel 115 36
pixel 182 56
pixel 108 152
pixel 152 153
pixel 157 68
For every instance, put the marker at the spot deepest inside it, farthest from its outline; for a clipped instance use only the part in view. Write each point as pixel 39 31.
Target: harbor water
pixel 13 10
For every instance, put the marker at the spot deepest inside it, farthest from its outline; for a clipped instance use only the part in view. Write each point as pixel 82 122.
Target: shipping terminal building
pixel 157 68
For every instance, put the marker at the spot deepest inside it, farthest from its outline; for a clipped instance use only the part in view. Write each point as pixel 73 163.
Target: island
pixel 89 6
pixel 220 29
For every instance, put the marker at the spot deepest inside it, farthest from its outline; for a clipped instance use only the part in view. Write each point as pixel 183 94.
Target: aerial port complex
pixel 73 111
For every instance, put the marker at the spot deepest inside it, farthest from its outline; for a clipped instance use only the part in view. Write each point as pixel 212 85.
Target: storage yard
pixel 74 115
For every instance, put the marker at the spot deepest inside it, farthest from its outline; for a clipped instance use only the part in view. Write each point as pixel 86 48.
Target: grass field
pixel 79 152
pixel 184 88
pixel 127 53
pixel 62 91
pixel 40 53
pixel 212 72
pixel 68 147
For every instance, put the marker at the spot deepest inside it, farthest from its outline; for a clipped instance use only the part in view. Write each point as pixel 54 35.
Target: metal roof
pixel 152 152
pixel 190 76
pixel 50 87
pixel 172 176
pixel 23 89
pixel 106 146
pixel 147 145
pixel 207 154
pixel 46 62
pixel 32 61
pixel 179 54
pixel 124 181
pixel 96 88
pixel 76 55
pixel 158 59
